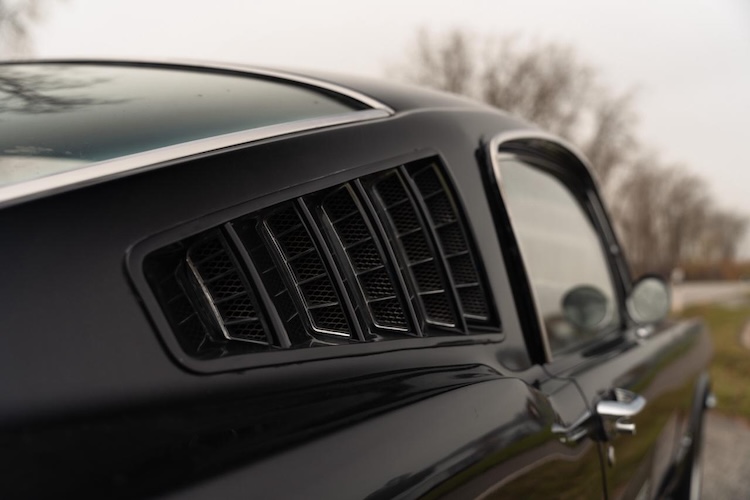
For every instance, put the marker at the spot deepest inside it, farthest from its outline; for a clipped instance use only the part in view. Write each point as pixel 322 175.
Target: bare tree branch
pixel 664 215
pixel 544 83
pixel 15 19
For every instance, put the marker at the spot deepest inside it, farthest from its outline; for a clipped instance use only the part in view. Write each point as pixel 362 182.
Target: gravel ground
pixel 726 462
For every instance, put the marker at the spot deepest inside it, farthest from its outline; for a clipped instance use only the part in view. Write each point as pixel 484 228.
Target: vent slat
pixel 295 244
pixel 226 292
pixel 251 232
pixel 453 239
pixel 357 242
pixel 414 246
pixel 207 298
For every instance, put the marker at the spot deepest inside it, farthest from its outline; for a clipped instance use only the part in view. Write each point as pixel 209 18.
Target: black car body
pixel 223 282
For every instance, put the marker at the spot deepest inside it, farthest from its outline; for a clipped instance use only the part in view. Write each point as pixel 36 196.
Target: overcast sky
pixel 689 60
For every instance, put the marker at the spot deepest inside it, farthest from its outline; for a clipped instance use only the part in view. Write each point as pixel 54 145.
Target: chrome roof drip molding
pixel 293 77
pixel 493 148
pixel 106 170
pixel 246 70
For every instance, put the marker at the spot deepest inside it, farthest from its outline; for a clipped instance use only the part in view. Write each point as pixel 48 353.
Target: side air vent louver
pixel 381 257
pixel 452 238
pixel 414 248
pixel 298 253
pixel 357 240
pixel 207 298
pixel 250 231
pixel 218 279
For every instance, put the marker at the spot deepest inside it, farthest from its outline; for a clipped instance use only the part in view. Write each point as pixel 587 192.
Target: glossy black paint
pixel 94 404
pixel 664 369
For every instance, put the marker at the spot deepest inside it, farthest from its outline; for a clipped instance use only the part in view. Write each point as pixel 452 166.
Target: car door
pixel 637 381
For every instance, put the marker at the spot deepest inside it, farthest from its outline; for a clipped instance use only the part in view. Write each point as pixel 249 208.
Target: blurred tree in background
pixel 665 216
pixel 16 16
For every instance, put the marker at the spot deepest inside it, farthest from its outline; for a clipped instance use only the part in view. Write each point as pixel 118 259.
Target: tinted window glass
pixel 563 255
pixel 57 117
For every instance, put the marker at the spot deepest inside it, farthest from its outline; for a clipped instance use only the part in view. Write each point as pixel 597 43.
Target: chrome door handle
pixel 616 409
pixel 613 419
pixel 625 405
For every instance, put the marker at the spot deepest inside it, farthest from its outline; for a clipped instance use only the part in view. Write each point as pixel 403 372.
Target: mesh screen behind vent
pixel 298 253
pixel 414 248
pixel 249 230
pixel 206 298
pixel 357 240
pixel 453 240
pixel 220 283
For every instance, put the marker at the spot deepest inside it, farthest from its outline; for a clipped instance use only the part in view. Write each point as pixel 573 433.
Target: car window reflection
pixel 562 254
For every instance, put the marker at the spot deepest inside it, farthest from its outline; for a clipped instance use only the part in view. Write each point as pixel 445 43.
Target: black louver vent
pixel 414 248
pixel 250 231
pixel 214 275
pixel 385 256
pixel 307 272
pixel 356 238
pixel 453 240
pixel 207 298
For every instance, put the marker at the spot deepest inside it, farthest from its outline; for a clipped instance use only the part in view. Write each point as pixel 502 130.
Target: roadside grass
pixel 730 367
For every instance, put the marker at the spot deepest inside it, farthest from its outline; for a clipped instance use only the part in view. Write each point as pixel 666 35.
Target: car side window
pixel 563 254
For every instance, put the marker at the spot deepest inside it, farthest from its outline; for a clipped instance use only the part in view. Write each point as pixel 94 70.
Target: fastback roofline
pixel 246 70
pixel 148 160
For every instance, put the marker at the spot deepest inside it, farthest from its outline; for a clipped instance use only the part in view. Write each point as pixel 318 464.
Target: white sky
pixel 688 60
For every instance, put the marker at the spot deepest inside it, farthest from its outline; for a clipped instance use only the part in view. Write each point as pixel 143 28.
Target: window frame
pixel 554 156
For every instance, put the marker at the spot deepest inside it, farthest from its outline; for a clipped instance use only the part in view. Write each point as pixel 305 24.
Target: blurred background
pixel 656 94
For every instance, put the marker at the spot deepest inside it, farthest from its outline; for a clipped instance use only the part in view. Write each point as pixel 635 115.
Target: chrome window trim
pixel 516 135
pixel 247 70
pixel 102 171
pixel 305 80
pixel 494 155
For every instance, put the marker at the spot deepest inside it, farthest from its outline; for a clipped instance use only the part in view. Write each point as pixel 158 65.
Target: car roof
pixel 92 112
pixel 60 117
